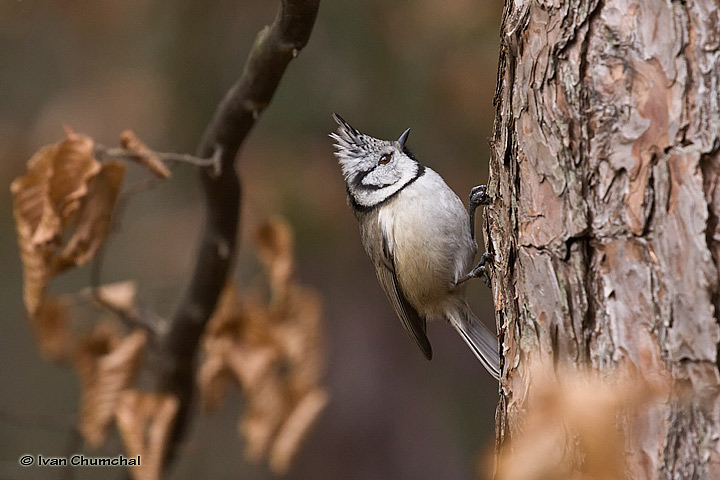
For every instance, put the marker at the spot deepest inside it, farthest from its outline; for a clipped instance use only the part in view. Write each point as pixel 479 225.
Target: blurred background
pixel 159 68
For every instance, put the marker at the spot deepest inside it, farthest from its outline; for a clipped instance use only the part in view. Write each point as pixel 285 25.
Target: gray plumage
pixel 416 231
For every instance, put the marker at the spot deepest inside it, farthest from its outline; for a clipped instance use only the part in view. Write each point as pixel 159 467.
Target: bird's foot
pixel 481 270
pixel 478 196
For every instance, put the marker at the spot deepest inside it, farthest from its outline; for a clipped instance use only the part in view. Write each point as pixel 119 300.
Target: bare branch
pixel 274 47
pixel 235 116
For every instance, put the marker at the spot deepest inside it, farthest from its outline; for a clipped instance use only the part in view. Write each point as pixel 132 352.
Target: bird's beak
pixel 403 138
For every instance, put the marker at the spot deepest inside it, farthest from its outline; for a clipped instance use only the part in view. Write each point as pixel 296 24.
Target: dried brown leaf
pixel 250 365
pixel 118 295
pixel 103 338
pixel 215 375
pixel 31 193
pixel 214 379
pixel 145 156
pixel 107 365
pixel 145 422
pixel 52 330
pixel 256 321
pixel 93 220
pixel 275 353
pixel 73 167
pixel 241 319
pixel 571 429
pixel 299 337
pixel 266 410
pixel 274 243
pixel 44 201
pixel 295 429
pixel 36 274
pixel 225 320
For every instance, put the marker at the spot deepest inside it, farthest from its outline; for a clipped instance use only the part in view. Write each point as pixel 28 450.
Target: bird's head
pixel 374 169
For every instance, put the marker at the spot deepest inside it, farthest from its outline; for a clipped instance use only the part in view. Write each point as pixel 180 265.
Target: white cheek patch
pixel 370 198
pixel 381 177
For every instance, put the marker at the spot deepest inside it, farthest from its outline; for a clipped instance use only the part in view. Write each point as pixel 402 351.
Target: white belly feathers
pixel 428 234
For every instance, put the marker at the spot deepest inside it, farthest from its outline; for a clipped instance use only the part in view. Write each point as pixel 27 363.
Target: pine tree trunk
pixel 605 177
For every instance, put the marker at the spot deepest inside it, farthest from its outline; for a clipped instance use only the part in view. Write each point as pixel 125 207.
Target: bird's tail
pixel 481 341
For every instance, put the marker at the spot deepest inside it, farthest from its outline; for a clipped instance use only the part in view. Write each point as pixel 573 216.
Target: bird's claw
pixel 480 271
pixel 479 196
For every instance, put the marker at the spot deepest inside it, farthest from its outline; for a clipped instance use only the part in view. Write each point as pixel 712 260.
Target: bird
pixel 418 235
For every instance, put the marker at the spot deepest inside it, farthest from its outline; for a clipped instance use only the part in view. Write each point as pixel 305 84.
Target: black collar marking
pixel 362 208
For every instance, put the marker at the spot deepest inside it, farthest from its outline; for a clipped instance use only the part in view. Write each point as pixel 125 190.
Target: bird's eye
pixel 384 159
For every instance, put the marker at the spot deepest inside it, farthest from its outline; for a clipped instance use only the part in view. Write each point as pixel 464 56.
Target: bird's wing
pixel 378 249
pixel 414 324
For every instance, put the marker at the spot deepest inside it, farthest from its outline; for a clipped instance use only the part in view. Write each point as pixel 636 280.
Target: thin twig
pixel 130 317
pixel 123 153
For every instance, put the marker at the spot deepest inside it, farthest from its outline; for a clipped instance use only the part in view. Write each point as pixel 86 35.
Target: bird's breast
pixel 427 230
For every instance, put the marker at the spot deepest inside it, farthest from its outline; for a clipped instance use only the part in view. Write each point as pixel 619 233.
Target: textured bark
pixel 605 175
